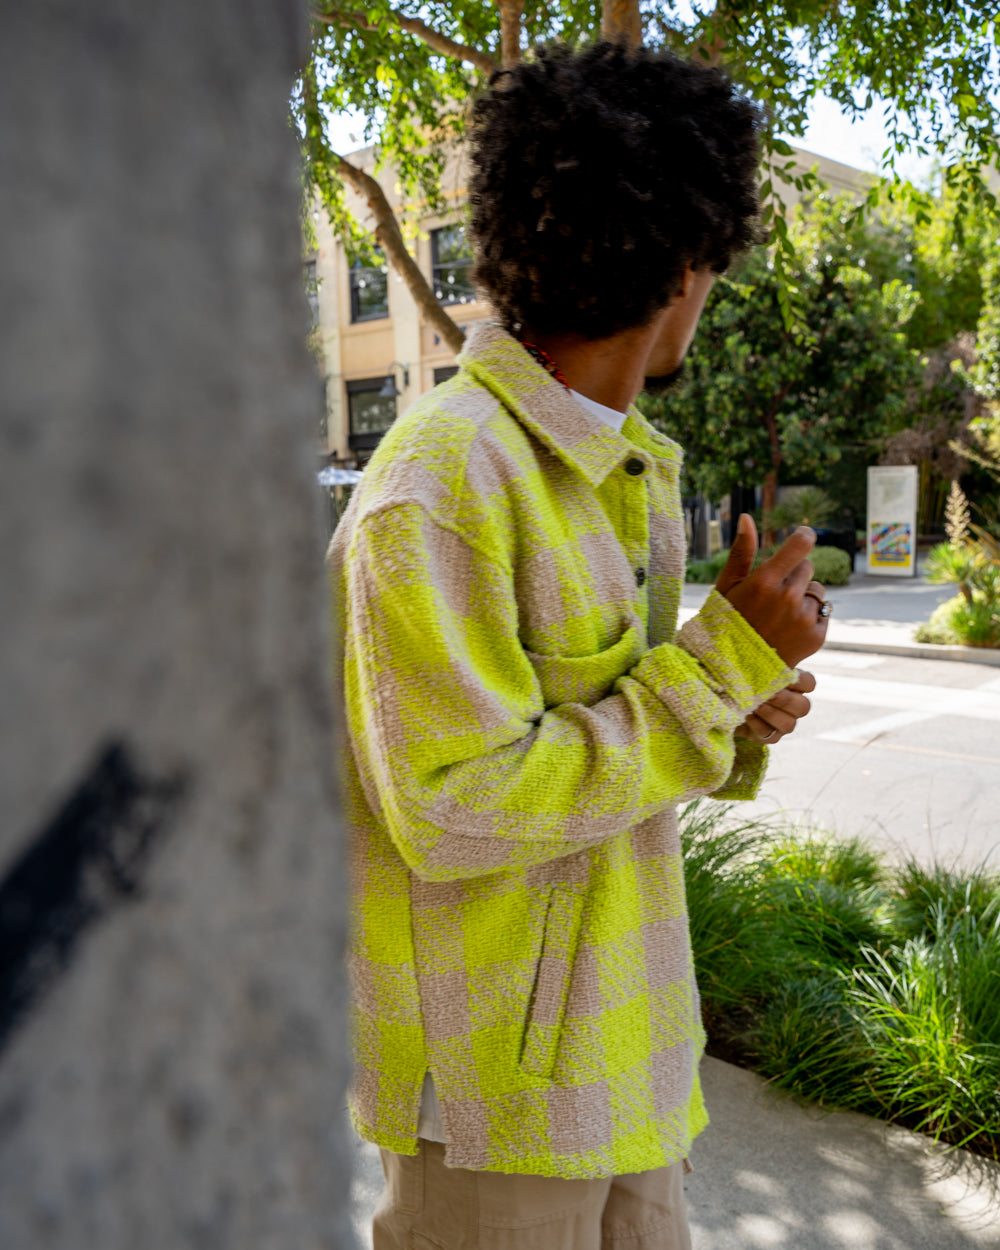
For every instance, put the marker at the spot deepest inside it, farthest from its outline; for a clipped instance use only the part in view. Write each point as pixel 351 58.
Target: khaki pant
pixel 427 1206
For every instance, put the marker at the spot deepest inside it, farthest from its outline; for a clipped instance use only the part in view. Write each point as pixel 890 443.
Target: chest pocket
pixel 585 678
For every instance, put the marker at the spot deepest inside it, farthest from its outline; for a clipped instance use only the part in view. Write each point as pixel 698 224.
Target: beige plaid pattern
pixel 522 720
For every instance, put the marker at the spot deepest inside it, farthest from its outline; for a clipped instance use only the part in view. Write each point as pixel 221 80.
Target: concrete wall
pixel 172 1044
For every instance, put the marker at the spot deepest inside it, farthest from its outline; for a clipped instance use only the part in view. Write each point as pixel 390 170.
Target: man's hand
pixel 781 713
pixel 779 600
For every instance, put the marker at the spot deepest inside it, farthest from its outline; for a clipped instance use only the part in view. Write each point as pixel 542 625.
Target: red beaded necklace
pixel 546 361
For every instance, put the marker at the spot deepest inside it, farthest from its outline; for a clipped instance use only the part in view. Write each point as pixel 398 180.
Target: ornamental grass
pixel 846 980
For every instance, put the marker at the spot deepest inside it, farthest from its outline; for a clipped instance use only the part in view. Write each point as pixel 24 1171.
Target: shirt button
pixel 640 577
pixel 635 467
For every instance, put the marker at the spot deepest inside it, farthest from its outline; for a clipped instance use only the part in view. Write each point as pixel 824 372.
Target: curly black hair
pixel 598 176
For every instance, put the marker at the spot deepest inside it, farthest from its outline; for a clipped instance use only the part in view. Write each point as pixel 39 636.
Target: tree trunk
pixel 172 1031
pixel 510 31
pixel 768 502
pixel 621 23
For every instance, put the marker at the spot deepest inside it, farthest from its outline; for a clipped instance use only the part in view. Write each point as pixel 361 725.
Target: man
pixel 523 715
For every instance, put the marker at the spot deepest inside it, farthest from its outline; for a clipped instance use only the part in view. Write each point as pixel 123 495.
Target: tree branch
pixel 387 232
pixel 620 22
pixel 414 26
pixel 510 31
pixel 390 240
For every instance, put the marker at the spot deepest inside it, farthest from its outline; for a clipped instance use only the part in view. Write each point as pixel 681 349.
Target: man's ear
pixel 687 282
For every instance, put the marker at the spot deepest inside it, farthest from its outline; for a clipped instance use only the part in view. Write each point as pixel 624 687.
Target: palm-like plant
pixel 808 505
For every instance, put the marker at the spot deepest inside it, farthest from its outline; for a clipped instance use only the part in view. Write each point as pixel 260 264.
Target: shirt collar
pixel 542 405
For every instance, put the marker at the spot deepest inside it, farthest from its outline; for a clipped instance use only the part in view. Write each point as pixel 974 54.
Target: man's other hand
pixel 779 599
pixel 778 717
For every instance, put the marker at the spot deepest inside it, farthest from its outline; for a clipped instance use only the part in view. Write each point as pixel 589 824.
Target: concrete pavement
pixel 770 1172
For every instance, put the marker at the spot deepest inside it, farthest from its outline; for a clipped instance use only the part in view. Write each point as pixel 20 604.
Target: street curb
pixel 920 651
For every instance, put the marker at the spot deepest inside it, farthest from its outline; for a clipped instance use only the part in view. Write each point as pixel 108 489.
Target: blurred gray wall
pixel 172 1045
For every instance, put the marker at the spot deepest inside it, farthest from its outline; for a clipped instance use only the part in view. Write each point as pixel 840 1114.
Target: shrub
pixel 846 981
pixel 930 1015
pixel 972 618
pixel 959 622
pixel 802 505
pixel 706 572
pixel 832 566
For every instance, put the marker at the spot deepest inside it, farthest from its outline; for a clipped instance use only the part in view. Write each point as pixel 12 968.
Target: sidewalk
pixel 771 1173
pixel 878 614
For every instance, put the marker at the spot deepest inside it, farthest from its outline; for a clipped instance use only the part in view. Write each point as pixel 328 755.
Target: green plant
pixel 973 564
pixel 930 1014
pixel 728 921
pixel 832 566
pixel 948 563
pixel 957 622
pixel 706 572
pixel 922 893
pixel 846 980
pixel 805 505
pixel 820 857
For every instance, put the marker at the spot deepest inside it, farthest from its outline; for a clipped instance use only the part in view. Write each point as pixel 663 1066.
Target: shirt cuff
pixel 749 766
pixel 739 663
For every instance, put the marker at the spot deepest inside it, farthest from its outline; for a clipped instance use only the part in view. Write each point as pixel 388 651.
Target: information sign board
pixel 892 520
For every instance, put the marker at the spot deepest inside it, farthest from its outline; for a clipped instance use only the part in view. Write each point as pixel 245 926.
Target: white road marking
pixel 843 659
pixel 910 703
pixel 880 725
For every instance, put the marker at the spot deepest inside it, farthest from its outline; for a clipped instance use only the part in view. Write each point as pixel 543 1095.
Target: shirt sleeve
pixel 460 758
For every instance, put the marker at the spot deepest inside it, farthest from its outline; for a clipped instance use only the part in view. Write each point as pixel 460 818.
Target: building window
pixel 452 266
pixel 311 280
pixel 369 290
pixel 370 414
pixel 444 373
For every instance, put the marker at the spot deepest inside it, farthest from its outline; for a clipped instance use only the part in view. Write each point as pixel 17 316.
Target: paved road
pixel 906 751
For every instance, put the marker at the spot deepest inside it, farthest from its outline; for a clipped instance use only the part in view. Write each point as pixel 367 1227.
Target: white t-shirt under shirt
pixel 610 416
pixel 429 1125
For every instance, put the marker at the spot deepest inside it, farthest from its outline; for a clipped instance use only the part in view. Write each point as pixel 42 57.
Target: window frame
pixel 367 440
pixel 355 270
pixel 440 267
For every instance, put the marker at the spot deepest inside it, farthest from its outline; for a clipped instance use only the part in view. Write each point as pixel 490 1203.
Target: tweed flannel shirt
pixel 522 718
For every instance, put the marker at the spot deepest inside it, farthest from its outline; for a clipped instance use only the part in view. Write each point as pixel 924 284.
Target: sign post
pixel 892 521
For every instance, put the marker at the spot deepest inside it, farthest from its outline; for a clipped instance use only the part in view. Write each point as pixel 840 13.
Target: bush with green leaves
pixel 831 565
pixel 802 505
pixel 845 980
pixel 970 560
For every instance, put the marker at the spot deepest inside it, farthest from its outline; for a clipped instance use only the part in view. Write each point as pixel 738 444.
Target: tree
pixel 173 906
pixel 413 68
pixel 981 443
pixel 753 403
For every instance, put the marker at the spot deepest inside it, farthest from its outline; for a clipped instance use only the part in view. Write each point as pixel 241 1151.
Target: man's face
pixel 678 324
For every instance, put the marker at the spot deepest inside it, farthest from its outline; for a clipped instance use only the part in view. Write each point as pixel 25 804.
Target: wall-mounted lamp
pixel 389 389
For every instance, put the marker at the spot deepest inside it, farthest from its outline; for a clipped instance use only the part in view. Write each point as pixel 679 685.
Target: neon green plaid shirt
pixel 522 719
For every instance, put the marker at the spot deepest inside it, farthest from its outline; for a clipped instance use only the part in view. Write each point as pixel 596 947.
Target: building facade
pixel 377 351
